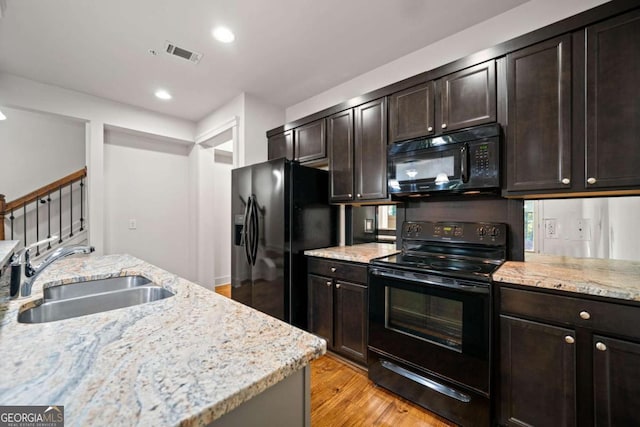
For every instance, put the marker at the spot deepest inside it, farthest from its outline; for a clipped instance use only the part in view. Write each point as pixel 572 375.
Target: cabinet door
pixel 616 382
pixel 351 320
pixel 537 374
pixel 371 150
pixel 321 307
pixel 469 97
pixel 310 142
pixel 411 113
pixel 340 143
pixel 613 109
pixel 280 145
pixel 539 131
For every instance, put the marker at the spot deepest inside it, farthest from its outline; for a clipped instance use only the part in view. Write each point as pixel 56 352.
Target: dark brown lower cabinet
pixel 616 382
pixel 338 307
pixel 567 360
pixel 537 374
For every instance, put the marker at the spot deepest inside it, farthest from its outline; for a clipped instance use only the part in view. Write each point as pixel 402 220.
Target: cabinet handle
pixel 444 126
pixel 566 181
pixel 358 195
pixel 349 195
pixel 601 346
pixel 569 339
pixel 591 180
pixel 430 129
pixel 329 283
pixel 585 315
pixel 333 269
pixel 337 285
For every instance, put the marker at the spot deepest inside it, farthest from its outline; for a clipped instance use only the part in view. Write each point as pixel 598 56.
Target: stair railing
pixel 42 196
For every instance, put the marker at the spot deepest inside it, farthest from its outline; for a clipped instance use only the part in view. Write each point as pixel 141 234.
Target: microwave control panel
pixel 484 161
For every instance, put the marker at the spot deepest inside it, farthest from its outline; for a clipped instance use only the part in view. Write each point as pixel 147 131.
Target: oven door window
pixel 428 317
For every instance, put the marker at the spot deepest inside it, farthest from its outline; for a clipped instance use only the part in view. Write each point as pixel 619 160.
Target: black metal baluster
pixel 60 212
pixel 24 222
pixel 82 204
pixel 70 209
pixel 37 226
pixel 49 220
pixel 12 218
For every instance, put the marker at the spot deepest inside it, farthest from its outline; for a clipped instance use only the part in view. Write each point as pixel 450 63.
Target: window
pixel 529 225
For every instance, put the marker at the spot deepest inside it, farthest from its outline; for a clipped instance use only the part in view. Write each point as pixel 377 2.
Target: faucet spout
pixel 32 272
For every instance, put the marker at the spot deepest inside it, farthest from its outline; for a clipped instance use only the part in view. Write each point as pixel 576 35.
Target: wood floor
pixel 343 396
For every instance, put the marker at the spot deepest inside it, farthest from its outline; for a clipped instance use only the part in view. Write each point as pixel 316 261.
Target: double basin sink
pixel 92 296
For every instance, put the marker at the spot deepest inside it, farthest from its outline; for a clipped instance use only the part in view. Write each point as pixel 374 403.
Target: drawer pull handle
pixel 337 285
pixel 329 283
pixel 569 339
pixel 333 269
pixel 585 315
pixel 601 346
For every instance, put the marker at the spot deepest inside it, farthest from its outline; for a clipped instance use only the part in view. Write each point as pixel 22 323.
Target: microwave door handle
pixel 464 162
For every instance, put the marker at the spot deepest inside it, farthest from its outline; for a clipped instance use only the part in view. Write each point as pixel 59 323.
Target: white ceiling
pixel 285 50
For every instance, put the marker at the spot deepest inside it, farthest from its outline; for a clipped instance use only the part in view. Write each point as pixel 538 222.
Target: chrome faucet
pixel 32 272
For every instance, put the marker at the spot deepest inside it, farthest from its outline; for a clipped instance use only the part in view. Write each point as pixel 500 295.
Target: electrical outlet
pixel 551 228
pixel 133 224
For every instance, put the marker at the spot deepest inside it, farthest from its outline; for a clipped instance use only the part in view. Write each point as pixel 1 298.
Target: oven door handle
pixel 440 388
pixel 415 278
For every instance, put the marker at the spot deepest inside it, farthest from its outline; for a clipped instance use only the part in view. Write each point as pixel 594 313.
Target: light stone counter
pixel 6 249
pixel 601 277
pixel 185 360
pixel 363 253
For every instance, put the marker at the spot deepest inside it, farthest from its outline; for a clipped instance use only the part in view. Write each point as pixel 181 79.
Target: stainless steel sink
pixel 80 299
pixel 89 287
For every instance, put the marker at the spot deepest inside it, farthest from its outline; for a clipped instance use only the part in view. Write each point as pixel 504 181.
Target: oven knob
pixel 418 229
pixel 495 232
pixel 481 231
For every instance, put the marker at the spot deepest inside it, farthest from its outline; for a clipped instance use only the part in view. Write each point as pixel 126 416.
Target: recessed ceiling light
pixel 2 116
pixel 223 34
pixel 163 94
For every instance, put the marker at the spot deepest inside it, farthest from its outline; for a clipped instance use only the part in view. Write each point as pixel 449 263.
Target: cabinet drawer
pixel 338 269
pixel 618 319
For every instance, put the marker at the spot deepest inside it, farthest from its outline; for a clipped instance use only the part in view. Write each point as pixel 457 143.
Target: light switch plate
pixel 133 224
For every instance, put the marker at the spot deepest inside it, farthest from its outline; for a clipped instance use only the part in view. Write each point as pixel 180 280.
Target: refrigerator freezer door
pixel 268 230
pixel 241 287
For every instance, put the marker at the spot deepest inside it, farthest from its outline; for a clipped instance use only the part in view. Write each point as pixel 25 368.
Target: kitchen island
pixel 190 359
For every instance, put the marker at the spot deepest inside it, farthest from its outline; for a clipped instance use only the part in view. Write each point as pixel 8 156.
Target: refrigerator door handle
pixel 245 230
pixel 255 230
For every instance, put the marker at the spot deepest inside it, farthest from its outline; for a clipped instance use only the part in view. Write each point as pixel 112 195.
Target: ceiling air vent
pixel 189 55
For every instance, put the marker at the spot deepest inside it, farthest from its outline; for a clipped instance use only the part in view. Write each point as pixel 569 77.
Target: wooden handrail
pixel 41 192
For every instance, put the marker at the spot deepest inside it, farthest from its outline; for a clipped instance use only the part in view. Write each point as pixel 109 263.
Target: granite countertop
pixel 364 252
pixel 6 249
pixel 591 276
pixel 185 360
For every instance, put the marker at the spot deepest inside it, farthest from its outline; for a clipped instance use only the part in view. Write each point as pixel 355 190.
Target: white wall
pixel 37 149
pixel 222 166
pixel 515 22
pixel 259 117
pixel 147 180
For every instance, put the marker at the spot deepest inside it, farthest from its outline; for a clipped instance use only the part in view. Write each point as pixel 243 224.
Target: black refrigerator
pixel 279 210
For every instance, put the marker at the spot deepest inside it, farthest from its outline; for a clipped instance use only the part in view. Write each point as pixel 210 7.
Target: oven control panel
pixel 459 232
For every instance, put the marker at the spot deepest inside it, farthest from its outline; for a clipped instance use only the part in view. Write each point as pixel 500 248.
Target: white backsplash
pixel 604 227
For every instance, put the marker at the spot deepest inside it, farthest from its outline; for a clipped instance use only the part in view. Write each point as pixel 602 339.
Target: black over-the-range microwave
pixel 467 161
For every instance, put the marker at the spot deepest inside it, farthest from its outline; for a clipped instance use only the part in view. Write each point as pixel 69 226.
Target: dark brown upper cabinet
pixel 370 154
pixel 539 116
pixel 310 142
pixel 613 103
pixel 340 145
pixel 280 145
pixel 411 112
pixel 468 97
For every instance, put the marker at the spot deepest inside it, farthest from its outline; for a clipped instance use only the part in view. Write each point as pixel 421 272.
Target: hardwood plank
pixel 224 290
pixel 342 395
